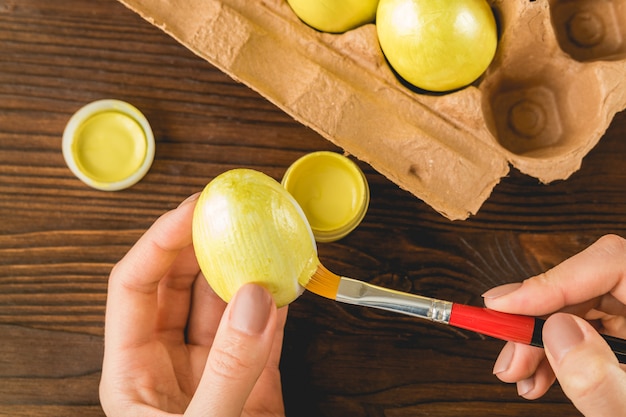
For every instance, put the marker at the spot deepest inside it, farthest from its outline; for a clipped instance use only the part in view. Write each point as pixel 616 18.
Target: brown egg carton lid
pixel 557 80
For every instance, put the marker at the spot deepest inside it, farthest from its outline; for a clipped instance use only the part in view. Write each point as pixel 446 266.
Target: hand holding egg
pixel 248 228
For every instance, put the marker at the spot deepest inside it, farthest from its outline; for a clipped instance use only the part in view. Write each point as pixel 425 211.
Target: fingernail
pixel 502 290
pixel 561 333
pixel 525 386
pixel 504 359
pixel 189 199
pixel 251 309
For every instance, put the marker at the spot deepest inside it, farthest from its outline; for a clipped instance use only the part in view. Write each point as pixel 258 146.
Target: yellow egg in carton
pixel 556 81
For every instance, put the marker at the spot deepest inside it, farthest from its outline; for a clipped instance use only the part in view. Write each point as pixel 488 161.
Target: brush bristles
pixel 324 283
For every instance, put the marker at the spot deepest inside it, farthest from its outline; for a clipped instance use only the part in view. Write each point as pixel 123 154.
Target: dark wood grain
pixel 59 238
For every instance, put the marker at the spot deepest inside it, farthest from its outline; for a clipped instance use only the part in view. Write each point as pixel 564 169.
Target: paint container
pixel 108 144
pixel 332 191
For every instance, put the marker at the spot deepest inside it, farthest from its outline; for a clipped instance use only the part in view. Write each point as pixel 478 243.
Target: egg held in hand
pixel 248 229
pixel 437 45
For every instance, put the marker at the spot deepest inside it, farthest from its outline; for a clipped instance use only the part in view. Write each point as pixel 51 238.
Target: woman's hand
pixel 591 285
pixel 173 347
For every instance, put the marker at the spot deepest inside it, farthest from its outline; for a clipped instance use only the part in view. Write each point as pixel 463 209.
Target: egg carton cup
pixel 556 82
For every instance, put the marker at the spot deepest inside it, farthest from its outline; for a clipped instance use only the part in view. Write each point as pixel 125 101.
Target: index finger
pixel 133 284
pixel 598 270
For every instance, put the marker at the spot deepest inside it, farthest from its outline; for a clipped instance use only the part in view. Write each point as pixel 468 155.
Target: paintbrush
pixel 504 326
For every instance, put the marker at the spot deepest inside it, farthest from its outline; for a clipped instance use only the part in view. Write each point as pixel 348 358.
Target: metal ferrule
pixel 360 293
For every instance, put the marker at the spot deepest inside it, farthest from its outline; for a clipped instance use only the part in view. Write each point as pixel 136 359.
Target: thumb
pixel 239 353
pixel 585 366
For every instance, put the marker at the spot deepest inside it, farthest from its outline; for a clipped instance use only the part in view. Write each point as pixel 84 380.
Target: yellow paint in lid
pixel 109 145
pixel 332 191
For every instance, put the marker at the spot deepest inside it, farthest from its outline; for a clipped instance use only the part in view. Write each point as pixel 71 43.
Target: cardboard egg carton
pixel 557 80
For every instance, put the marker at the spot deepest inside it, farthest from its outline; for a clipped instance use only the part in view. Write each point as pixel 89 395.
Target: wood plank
pixel 59 239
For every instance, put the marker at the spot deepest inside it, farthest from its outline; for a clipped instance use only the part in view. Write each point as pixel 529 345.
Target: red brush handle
pixel 503 326
pixel 514 328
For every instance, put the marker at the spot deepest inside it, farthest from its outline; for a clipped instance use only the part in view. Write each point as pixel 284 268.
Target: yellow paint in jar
pixel 332 191
pixel 109 145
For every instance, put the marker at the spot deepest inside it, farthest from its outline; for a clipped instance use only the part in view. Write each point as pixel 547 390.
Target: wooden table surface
pixel 60 238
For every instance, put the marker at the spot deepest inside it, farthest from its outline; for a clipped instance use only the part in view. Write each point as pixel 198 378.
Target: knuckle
pixel 231 358
pixel 586 382
pixel 612 244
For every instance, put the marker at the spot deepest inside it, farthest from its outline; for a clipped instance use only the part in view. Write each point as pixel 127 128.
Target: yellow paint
pixel 332 192
pixel 109 146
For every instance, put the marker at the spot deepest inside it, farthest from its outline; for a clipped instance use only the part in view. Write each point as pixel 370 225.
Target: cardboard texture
pixel 556 82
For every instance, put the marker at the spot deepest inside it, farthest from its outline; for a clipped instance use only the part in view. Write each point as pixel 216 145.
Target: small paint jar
pixel 332 191
pixel 108 144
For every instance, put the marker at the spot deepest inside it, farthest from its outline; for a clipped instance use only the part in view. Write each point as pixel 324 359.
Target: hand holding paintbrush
pixel 591 284
pixel 510 327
